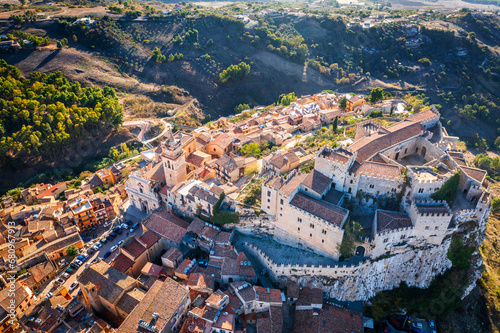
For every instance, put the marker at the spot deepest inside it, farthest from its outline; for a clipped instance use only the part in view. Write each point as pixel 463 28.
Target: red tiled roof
pixel 367 146
pixel 374 169
pixel 50 191
pixel 149 238
pixel 122 263
pixel 167 225
pixel 387 221
pixel 321 209
pixel 135 248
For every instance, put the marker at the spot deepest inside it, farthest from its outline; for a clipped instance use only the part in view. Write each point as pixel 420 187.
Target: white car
pixel 73 286
pixel 124 226
pixel 113 248
pixel 65 275
pixel 85 255
pixel 121 242
pixel 78 262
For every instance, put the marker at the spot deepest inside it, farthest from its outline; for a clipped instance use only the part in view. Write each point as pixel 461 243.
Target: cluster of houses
pixel 181 276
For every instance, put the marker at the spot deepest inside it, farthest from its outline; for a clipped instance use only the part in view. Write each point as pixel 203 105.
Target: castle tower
pixel 174 161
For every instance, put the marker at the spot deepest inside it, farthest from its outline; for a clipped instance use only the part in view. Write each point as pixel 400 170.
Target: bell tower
pixel 174 161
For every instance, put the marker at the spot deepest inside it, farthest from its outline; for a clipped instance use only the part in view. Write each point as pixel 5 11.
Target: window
pixel 426 227
pixel 299 219
pixel 420 190
pixel 281 214
pixel 268 207
pixel 436 228
pixel 268 200
pixel 372 186
pixel 386 240
pixel 323 241
pixel 310 235
pixel 351 181
pixel 268 193
pixel 306 189
pixel 403 236
pixel 323 232
pixel 406 150
pixel 311 225
pixel 281 201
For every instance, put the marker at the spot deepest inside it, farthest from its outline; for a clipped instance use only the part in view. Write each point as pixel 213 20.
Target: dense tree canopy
pixel 43 113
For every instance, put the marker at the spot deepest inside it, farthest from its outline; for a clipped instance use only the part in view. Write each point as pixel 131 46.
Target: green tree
pixel 449 189
pixel 343 103
pixel 72 251
pixel 287 99
pixel 335 124
pixel 376 94
pixel 234 72
pixel 495 205
pixel 352 235
pixel 113 152
pixel 425 61
pixel 75 39
pixel 251 149
pixel 241 107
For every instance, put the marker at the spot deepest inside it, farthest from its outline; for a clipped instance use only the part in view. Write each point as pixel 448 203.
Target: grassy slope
pixel 490 281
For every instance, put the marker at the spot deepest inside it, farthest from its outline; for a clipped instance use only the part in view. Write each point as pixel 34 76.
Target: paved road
pixel 101 231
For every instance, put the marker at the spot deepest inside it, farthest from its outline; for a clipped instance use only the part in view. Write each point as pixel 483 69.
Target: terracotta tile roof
pixel 319 208
pixel 130 300
pixel 149 238
pixel 200 280
pixel 223 251
pixel 223 237
pixel 50 191
pixel 213 269
pixel 216 298
pixel 196 226
pixel 236 267
pixel 185 265
pixel 246 293
pixel 167 226
pixel 227 163
pixel 279 160
pixel 476 174
pixel 275 181
pixel 20 295
pixel 309 296
pixel 156 173
pixel 122 263
pixel 268 295
pixel 317 182
pixel 292 183
pixel 110 282
pixel 163 298
pixel 330 319
pixel 422 116
pixel 207 313
pixel 270 321
pixel 374 169
pixel 223 140
pixel 209 233
pixel 387 221
pixel 193 325
pixel 356 98
pixel 41 270
pixel 134 248
pixel 437 208
pixel 151 269
pixel 204 195
pixel 172 254
pixel 197 157
pixel 367 146
pixel 292 289
pixel 337 155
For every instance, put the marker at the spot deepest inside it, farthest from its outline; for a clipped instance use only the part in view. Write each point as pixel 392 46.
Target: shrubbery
pixel 234 72
pixel 449 189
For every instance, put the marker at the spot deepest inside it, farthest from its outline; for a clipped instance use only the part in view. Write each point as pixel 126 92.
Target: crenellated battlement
pixel 390 232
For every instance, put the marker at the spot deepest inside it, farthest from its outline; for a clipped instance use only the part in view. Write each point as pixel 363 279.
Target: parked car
pixel 65 275
pixel 85 255
pixel 119 230
pixel 74 265
pixel 58 282
pixel 69 271
pixel 99 245
pixel 103 240
pixel 135 226
pixel 124 225
pixel 432 324
pixel 91 250
pixel 109 237
pixel 106 254
pixel 73 286
pixel 113 248
pixel 121 242
pixel 78 262
pixel 113 234
pixel 95 248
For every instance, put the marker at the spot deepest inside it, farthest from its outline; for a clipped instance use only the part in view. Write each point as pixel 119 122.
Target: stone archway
pixel 424 150
pixel 360 251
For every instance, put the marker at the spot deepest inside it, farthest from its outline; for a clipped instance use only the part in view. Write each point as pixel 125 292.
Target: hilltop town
pixel 277 219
